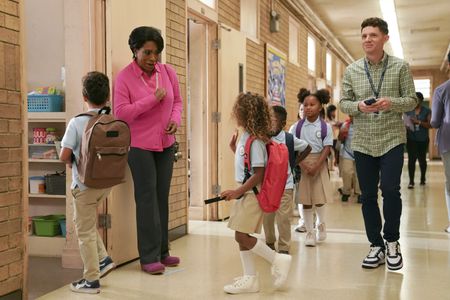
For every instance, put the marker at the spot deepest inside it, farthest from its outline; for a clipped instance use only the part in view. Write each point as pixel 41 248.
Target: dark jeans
pixel 417 150
pixel 152 173
pixel 370 169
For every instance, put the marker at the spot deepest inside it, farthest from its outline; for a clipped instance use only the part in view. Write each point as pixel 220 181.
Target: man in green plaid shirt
pixel 376 91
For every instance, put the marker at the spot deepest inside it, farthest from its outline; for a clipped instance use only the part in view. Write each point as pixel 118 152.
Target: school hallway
pixel 331 270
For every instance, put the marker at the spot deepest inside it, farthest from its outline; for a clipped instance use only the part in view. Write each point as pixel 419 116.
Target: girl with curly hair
pixel 314 183
pixel 252 114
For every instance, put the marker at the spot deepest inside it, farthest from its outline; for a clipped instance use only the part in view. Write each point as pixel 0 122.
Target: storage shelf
pixel 46 196
pixel 46 246
pixel 38 160
pixel 47 117
pixel 42 145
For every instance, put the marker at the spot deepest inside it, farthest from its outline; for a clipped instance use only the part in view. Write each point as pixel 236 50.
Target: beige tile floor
pixel 332 270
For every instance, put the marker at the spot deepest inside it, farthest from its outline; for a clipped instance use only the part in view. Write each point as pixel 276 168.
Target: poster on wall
pixel 276 76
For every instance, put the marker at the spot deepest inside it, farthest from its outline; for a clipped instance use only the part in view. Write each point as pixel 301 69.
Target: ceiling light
pixel 390 16
pixel 427 29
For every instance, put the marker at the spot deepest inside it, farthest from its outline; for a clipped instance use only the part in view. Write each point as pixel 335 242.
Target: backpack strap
pixel 247 161
pixel 290 145
pixel 87 114
pixel 298 129
pixel 323 129
pixel 105 109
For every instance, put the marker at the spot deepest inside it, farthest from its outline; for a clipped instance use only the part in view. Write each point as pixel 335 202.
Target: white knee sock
pixel 320 213
pixel 308 216
pixel 264 251
pixel 248 264
pixel 300 210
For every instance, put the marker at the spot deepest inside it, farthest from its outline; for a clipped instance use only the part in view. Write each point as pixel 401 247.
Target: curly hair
pixel 252 113
pixel 323 96
pixel 96 87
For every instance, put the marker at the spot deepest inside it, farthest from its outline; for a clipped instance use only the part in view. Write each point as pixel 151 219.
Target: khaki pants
pixel 92 249
pixel 349 178
pixel 282 216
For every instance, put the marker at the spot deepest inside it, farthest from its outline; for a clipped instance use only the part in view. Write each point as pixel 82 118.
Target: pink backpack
pixel 275 175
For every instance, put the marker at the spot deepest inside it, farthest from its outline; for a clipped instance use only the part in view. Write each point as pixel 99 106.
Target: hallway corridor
pixel 332 270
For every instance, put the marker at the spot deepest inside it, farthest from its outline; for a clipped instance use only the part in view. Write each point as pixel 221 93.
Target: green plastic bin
pixel 47 225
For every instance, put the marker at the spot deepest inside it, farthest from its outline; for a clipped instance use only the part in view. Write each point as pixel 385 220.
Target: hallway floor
pixel 332 270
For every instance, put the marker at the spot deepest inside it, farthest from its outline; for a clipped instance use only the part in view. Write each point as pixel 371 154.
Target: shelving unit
pixel 46 246
pixel 45 204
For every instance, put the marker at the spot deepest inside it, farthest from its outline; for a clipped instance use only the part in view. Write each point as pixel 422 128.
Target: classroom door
pixel 231 81
pixel 121 19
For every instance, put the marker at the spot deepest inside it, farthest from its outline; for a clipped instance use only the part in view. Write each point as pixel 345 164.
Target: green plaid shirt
pixel 376 134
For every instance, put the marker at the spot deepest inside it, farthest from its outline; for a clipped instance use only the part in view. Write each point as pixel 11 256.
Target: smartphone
pixel 370 101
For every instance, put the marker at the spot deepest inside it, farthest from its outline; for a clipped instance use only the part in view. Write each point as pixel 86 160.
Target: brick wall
pixel 11 202
pixel 255 71
pixel 176 52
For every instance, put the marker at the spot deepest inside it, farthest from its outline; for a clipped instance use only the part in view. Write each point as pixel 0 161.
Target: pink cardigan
pixel 134 102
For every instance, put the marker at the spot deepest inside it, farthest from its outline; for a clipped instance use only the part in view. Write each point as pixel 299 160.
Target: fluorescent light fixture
pixel 390 16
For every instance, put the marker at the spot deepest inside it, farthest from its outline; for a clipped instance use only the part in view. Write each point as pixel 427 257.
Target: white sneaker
pixel 394 257
pixel 301 226
pixel 321 233
pixel 447 229
pixel 280 269
pixel 243 284
pixel 310 239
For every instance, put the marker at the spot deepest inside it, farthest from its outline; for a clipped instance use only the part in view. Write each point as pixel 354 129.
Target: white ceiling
pixel 424 26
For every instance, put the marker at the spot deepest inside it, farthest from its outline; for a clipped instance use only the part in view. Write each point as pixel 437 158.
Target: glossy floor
pixel 332 270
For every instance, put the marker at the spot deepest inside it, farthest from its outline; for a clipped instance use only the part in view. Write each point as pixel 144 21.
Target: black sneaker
pixel 375 258
pixel 394 256
pixel 106 266
pixel 283 252
pixel 345 197
pixel 84 286
pixel 411 186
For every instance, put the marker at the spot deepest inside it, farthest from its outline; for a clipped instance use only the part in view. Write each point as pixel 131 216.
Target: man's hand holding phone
pixel 368 105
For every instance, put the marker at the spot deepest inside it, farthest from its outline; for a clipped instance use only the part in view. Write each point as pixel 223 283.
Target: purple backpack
pixel 323 128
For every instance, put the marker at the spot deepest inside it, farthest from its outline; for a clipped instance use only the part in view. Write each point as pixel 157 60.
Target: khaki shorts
pixel 246 215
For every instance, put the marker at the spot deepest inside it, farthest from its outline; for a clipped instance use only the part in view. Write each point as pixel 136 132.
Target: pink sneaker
pixel 170 261
pixel 153 268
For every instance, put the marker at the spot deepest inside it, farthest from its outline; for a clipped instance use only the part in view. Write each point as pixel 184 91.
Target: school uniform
pixel 284 212
pixel 86 201
pixel 246 214
pixel 347 166
pixel 315 189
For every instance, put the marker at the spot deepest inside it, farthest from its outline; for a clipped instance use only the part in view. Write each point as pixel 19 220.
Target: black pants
pixel 369 170
pixel 417 150
pixel 152 173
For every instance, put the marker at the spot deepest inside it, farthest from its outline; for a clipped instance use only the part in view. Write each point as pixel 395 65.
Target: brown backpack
pixel 103 150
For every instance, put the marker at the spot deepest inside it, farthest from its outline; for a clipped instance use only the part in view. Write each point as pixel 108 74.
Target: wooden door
pixel 121 19
pixel 231 80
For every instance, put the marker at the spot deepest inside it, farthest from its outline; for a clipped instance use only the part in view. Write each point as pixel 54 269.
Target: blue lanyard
pixel 366 68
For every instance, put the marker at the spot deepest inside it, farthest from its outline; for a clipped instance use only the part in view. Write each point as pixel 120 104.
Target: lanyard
pixel 157 81
pixel 366 68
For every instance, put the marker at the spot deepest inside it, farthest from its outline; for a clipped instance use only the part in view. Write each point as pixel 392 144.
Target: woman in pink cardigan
pixel 147 97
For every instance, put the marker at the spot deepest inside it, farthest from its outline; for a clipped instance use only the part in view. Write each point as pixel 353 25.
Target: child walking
pixel 252 114
pixel 96 261
pixel 315 180
pixel 284 212
pixel 347 166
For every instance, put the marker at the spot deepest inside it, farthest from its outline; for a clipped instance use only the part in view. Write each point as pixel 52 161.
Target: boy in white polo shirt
pixel 283 214
pixel 96 261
